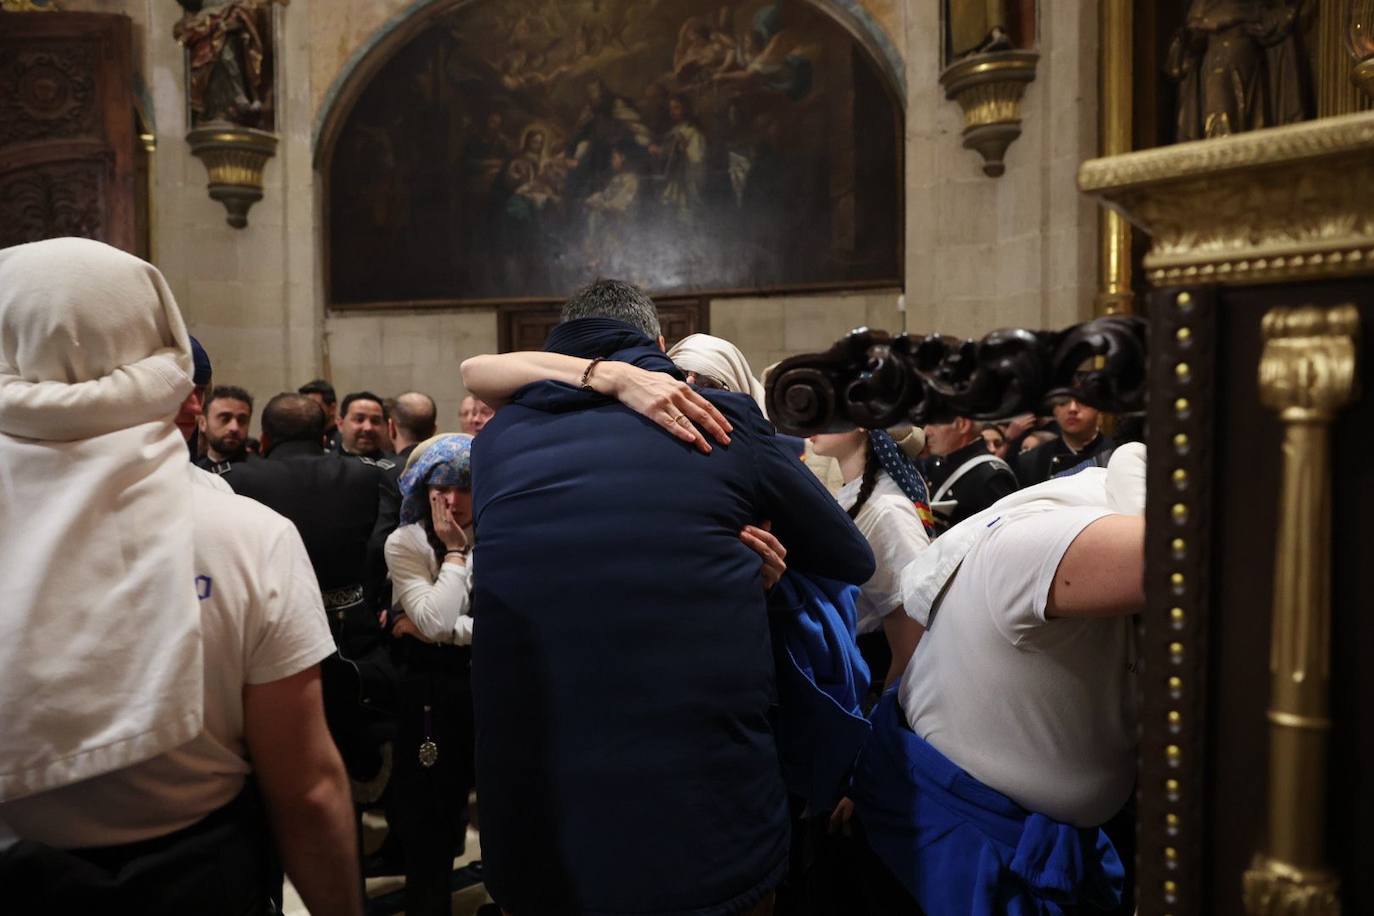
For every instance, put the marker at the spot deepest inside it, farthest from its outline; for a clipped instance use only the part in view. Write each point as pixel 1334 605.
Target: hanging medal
pixel 429 751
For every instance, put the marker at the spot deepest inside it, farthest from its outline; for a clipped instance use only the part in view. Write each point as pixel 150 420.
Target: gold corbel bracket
pixel 234 158
pixel 989 87
pixel 1307 373
pixel 1308 365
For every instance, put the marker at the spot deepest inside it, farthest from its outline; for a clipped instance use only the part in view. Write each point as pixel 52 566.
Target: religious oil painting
pixel 516 149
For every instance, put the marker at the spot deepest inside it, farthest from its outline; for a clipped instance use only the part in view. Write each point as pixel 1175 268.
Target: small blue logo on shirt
pixel 204 587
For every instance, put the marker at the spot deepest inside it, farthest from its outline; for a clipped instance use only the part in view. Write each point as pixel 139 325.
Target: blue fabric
pixel 822 678
pixel 445 462
pixel 624 679
pixel 963 849
pixel 903 472
pixel 200 364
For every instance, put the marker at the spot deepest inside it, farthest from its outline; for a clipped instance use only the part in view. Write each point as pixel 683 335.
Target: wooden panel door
pixel 66 128
pixel 523 327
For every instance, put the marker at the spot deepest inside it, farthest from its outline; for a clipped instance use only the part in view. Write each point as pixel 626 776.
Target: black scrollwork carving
pixel 870 379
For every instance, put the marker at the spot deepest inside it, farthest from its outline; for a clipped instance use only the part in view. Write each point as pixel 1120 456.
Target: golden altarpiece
pixel 1257 254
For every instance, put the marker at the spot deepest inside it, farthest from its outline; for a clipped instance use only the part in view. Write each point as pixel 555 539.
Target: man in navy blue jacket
pixel 623 677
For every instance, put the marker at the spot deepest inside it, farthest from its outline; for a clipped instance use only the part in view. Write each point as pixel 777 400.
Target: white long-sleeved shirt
pixel 437 597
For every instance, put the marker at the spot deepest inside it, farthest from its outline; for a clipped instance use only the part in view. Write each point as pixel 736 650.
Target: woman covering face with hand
pixel 431 574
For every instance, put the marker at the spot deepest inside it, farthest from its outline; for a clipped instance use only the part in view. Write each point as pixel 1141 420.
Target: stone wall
pixel 981 252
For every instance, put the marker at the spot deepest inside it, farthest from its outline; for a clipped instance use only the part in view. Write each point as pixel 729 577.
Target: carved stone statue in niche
pixel 229 45
pixel 984 26
pixel 1238 67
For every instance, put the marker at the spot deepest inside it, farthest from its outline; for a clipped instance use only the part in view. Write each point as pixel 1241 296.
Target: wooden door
pixel 66 128
pixel 524 327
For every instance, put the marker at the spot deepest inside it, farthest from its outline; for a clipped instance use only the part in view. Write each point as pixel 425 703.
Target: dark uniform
pixel 389 513
pixel 1043 462
pixel 973 486
pixel 333 501
pixel 206 463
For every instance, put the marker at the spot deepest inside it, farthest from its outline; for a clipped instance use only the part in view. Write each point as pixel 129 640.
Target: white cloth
pixel 261 620
pixel 893 529
pixel 437 597
pixel 203 478
pixel 719 359
pixel 99 629
pixel 1042 710
pixel 1120 487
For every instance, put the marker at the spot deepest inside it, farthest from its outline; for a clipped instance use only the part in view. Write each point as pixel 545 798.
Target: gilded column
pixel 1336 92
pixel 1307 374
pixel 1114 129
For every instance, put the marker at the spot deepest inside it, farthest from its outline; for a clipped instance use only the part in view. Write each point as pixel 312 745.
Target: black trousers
pixel 430 814
pixel 223 865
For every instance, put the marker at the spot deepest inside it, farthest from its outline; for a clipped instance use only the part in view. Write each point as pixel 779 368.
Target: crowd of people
pixel 687 665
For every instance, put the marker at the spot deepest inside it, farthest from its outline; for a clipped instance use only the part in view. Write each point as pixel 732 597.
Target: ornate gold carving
pixel 1286 203
pixel 1307 371
pixel 1359 37
pixel 1336 92
pixel 234 158
pixel 989 88
pixel 1274 889
pixel 29 6
pixel 1307 374
pixel 1114 295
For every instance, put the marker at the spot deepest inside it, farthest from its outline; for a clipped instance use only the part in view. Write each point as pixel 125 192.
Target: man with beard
pixel 224 426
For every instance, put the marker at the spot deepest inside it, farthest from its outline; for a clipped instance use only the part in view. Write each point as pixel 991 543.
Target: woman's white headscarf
pixel 100 648
pixel 720 359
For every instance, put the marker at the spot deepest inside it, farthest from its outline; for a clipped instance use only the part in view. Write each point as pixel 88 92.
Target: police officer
pixel 965 477
pixel 333 503
pixel 1080 439
pixel 223 425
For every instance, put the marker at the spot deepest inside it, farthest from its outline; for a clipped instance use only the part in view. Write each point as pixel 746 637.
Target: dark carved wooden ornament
pixel 874 380
pixel 66 129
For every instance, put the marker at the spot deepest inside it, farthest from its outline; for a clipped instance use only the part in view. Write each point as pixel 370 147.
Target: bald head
pixel 413 419
pixel 292 418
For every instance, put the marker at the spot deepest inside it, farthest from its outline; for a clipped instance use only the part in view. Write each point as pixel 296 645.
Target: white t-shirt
pixel 1043 711
pixel 437 597
pixel 261 620
pixel 893 529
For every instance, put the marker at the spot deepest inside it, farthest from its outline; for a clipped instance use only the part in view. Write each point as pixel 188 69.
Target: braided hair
pixel 870 479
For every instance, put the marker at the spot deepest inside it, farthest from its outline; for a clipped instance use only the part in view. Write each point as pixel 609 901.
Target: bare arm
pixel 655 395
pixel 903 633
pixel 495 377
pixel 1102 574
pixel 306 789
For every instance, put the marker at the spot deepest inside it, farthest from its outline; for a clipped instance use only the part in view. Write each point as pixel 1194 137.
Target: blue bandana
pixel 445 462
pixel 901 469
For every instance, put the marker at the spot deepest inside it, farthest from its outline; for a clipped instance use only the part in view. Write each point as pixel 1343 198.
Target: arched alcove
pixel 483 151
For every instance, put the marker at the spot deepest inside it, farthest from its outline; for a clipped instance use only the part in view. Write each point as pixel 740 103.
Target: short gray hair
pixel 615 299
